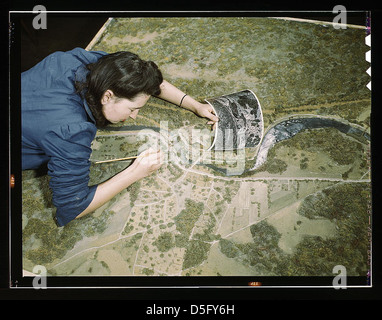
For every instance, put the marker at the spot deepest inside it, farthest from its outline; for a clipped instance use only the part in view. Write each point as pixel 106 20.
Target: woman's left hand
pixel 206 111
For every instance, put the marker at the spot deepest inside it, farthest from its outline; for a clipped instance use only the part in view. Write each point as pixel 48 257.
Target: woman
pixel 65 98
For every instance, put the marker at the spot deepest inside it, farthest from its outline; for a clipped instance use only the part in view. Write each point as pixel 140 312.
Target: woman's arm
pixel 148 162
pixel 172 94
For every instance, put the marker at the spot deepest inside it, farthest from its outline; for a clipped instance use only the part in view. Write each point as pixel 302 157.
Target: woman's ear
pixel 107 97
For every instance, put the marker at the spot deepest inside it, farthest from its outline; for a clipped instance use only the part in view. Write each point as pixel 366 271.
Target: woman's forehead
pixel 141 96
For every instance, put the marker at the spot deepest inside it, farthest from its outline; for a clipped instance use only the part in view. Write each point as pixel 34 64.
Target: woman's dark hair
pixel 125 74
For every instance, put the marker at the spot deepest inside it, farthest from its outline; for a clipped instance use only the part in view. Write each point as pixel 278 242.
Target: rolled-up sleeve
pixel 68 149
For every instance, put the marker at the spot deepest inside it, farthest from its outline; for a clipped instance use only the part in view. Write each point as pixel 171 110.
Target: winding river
pixel 278 132
pixel 289 128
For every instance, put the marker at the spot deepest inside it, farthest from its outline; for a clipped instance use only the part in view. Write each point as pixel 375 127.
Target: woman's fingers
pixel 212 115
pixel 152 156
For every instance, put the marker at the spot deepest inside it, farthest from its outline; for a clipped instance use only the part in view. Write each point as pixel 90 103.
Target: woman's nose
pixel 134 114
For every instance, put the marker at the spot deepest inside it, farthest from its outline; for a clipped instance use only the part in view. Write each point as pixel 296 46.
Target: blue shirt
pixel 58 128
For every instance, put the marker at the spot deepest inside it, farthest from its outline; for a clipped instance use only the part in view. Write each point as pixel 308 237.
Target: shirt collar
pixel 80 76
pixel 88 111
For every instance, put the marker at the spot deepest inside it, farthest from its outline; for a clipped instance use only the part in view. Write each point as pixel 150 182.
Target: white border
pixel 320 22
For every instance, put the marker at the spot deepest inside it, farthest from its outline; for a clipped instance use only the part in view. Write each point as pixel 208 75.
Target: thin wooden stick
pixel 120 159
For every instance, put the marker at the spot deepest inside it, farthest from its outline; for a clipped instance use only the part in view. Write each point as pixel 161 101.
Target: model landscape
pixel 296 204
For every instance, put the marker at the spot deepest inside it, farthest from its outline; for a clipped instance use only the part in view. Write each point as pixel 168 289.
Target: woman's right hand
pixel 147 162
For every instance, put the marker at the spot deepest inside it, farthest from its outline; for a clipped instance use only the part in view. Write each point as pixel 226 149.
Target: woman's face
pixel 120 109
